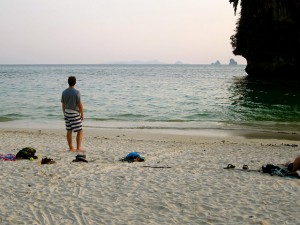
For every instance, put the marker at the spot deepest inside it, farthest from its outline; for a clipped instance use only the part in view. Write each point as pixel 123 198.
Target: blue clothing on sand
pixel 133 155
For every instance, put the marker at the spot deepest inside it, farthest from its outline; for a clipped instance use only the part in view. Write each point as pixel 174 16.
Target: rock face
pixel 268 37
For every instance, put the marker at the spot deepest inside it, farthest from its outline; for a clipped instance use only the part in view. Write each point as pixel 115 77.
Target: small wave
pixel 152 125
pixel 6 119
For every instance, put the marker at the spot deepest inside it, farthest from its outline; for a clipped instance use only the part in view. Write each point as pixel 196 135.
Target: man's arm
pixel 63 107
pixel 81 111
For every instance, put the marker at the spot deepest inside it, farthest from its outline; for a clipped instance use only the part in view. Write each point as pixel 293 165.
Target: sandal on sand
pixel 80 158
pixel 47 161
pixel 245 167
pixel 230 166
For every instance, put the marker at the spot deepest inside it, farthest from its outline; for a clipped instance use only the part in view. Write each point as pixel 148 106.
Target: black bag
pixel 26 153
pixel 269 168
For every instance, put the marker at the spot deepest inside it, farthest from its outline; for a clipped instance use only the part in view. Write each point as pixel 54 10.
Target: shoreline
pixel 277 131
pixel 248 133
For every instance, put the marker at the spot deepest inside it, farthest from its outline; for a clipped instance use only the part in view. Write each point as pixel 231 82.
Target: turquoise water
pixel 149 97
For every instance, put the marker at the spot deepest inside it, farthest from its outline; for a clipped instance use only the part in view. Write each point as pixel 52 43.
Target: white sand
pixel 196 190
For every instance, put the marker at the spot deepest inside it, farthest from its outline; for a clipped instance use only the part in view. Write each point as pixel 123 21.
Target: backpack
pixel 26 153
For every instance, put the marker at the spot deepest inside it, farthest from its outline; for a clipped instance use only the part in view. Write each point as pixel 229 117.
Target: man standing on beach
pixel 73 111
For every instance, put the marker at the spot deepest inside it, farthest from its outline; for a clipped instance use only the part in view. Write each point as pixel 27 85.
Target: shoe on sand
pixel 245 167
pixel 80 158
pixel 230 166
pixel 47 161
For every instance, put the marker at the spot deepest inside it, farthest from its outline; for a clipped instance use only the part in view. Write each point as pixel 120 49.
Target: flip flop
pixel 245 167
pixel 47 161
pixel 80 158
pixel 230 166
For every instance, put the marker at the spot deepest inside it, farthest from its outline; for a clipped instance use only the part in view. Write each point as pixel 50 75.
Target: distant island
pixel 232 62
pixel 134 62
pixel 138 62
pixel 217 63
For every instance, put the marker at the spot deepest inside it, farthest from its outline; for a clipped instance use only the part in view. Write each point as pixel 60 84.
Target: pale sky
pixel 100 31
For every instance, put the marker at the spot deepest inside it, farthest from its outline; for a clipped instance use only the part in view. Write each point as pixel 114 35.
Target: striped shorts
pixel 73 121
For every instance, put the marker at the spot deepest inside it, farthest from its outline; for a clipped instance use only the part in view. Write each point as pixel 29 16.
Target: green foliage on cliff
pixel 235 4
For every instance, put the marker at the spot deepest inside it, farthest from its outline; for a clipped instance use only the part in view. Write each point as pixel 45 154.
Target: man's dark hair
pixel 72 80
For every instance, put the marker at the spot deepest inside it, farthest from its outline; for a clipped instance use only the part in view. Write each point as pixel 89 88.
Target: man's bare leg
pixel 69 139
pixel 79 141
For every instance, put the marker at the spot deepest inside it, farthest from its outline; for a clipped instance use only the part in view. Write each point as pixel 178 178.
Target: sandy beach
pixel 195 190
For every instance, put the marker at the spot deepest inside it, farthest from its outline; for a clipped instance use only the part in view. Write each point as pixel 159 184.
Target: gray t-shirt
pixel 71 98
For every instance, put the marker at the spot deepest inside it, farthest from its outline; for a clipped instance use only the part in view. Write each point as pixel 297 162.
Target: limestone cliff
pixel 268 37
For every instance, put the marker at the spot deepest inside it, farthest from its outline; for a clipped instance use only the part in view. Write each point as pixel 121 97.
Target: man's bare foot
pixel 80 150
pixel 72 150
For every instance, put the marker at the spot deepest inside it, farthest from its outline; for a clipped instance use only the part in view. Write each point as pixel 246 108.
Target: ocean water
pixel 189 97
